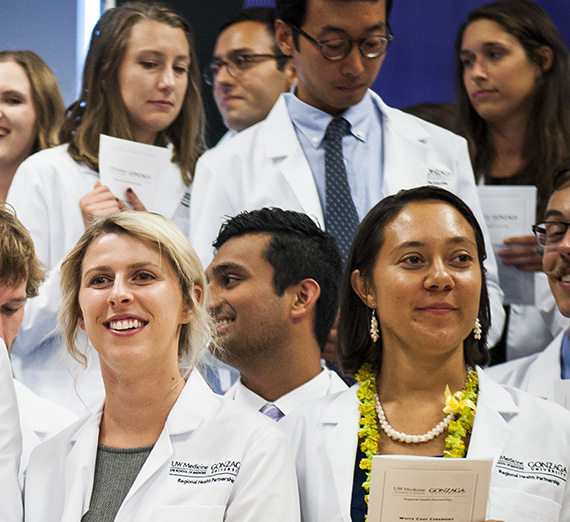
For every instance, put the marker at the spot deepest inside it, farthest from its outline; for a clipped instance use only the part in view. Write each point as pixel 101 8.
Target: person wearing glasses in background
pixel 248 71
pixel 537 373
pixel 370 149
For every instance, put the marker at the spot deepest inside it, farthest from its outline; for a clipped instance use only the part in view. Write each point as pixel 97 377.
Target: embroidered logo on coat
pixel 543 471
pixel 191 473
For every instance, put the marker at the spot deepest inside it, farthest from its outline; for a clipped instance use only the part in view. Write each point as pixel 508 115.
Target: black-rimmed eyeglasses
pixel 237 64
pixel 339 48
pixel 550 233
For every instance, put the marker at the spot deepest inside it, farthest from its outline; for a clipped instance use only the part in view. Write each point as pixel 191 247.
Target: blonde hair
pixel 18 261
pixel 46 96
pixel 162 235
pixel 101 109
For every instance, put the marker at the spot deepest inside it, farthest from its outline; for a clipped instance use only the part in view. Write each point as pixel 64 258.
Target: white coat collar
pixel 545 369
pixel 188 412
pixel 341 439
pixel 281 145
pixel 495 408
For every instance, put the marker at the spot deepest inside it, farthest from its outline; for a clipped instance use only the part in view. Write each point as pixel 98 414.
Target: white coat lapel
pixel 405 151
pixel 340 441
pixel 495 406
pixel 185 416
pixel 80 470
pixel 284 150
pixel 545 370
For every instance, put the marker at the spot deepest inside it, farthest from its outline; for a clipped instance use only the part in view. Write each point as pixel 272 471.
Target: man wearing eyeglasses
pixel 332 148
pixel 248 71
pixel 538 373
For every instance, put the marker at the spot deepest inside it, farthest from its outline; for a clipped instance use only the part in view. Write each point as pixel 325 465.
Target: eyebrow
pixel 553 213
pixel 132 266
pixel 331 28
pixel 486 45
pixel 13 92
pixel 458 240
pixel 224 267
pixel 242 50
pixel 18 300
pixel 152 52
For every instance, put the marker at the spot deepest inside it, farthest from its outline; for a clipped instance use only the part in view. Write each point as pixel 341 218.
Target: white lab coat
pixel 509 424
pixel 10 444
pixel 45 193
pixel 214 461
pixel 535 373
pixel 264 166
pixel 39 419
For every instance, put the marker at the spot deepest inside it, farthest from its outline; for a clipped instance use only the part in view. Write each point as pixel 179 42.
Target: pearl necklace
pixel 413 439
pixel 404 437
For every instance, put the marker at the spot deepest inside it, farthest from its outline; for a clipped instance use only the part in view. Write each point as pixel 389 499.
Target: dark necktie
pixel 341 216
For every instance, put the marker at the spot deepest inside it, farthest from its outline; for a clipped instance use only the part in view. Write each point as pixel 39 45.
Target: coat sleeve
pixel 210 204
pixel 10 444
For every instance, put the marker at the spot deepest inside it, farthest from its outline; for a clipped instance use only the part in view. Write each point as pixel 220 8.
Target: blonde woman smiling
pixel 163 446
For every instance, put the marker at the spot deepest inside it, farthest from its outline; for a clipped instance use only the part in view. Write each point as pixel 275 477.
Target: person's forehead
pixel 13 293
pixel 246 251
pixel 352 16
pixel 559 201
pixel 244 35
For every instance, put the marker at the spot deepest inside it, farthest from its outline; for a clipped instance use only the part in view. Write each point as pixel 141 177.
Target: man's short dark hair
pixel 264 16
pixel 293 12
pixel 298 250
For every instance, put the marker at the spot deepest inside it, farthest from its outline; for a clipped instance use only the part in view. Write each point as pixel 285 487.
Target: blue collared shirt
pixel 363 148
pixel 565 357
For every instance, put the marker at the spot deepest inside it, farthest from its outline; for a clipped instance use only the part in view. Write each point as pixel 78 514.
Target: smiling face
pixel 426 281
pixel 250 317
pixel 246 100
pixel 556 260
pixel 499 77
pixel 153 78
pixel 334 86
pixel 131 303
pixel 17 116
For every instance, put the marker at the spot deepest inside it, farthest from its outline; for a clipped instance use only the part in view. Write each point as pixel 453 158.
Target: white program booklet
pixel 125 163
pixel 510 211
pixel 428 488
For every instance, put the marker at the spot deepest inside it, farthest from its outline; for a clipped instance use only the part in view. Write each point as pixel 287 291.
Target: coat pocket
pixel 518 506
pixel 190 513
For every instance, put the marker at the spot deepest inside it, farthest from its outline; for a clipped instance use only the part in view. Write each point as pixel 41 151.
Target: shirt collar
pixel 317 387
pixel 313 123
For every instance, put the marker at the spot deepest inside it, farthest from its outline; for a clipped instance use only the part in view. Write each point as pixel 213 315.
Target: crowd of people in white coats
pixel 321 287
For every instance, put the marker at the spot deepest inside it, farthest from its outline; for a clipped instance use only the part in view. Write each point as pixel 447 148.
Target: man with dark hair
pixel 248 71
pixel 332 149
pixel 274 285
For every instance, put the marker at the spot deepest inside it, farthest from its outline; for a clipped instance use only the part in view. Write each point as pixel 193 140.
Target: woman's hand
pixel 134 201
pixel 523 253
pixel 100 202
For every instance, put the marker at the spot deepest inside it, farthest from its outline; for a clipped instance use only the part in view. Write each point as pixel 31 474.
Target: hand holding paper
pixel 523 253
pixel 100 202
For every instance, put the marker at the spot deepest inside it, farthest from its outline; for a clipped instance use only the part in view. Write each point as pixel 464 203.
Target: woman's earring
pixel 374 327
pixel 477 330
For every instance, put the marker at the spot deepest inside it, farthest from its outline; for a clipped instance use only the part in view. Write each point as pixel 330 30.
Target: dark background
pixel 419 63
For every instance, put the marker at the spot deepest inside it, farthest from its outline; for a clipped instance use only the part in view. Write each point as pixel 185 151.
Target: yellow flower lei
pixel 463 403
